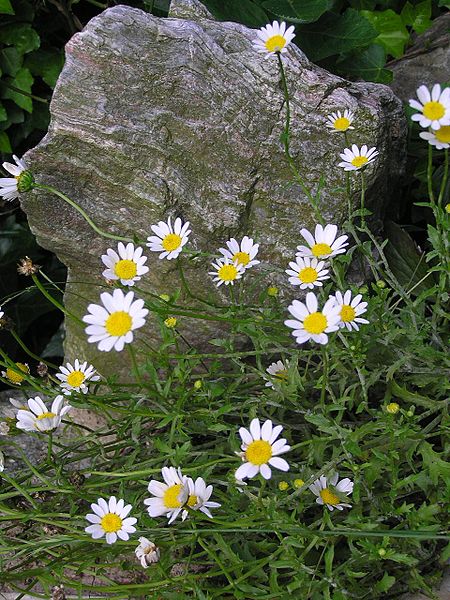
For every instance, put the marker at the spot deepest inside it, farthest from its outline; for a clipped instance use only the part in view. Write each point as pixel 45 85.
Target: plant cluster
pixel 351 502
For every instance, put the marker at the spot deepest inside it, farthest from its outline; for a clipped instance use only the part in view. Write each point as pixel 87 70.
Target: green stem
pixel 50 447
pixel 49 188
pixel 363 198
pixel 285 140
pixel 55 302
pixel 134 364
pixel 430 175
pixel 28 351
pixel 444 178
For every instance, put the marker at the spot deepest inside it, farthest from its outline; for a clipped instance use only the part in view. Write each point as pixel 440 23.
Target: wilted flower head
pixel 147 552
pixel 27 267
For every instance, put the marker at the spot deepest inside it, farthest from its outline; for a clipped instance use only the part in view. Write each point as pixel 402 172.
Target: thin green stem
pixel 363 198
pixel 134 364
pixel 55 302
pixel 28 351
pixel 49 188
pixel 444 178
pixel 285 140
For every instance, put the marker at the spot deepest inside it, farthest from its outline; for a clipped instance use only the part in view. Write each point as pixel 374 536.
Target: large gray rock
pixel 180 117
pixel 426 62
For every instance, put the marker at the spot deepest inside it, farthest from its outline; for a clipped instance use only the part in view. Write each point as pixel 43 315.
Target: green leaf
pixel 22 81
pixel 298 11
pixel 3 113
pixel 5 145
pixel 393 34
pixel 6 8
pixel 10 60
pixel 418 16
pixel 437 467
pixel 405 260
pixel 385 584
pixel 335 34
pixel 46 64
pixel 20 35
pixel 367 64
pixel 242 11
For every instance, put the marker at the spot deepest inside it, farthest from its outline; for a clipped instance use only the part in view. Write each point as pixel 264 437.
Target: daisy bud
pixel 298 483
pixel 198 384
pixel 272 291
pixel 170 323
pixel 392 408
pixel 381 552
pixel 283 486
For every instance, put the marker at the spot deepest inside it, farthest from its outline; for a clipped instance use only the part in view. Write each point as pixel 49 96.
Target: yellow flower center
pixel 125 269
pixel 118 323
pixel 360 161
pixel 170 322
pixel 75 379
pixel 342 124
pixel 172 495
pixel 275 43
pixel 328 497
pixel 242 257
pixel 281 374
pixel 321 250
pixel 443 134
pixel 192 500
pixel 227 273
pixel 111 523
pixel 47 415
pixel 433 110
pixel 347 313
pixel 171 242
pixel 259 452
pixel 14 376
pixel 315 323
pixel 308 275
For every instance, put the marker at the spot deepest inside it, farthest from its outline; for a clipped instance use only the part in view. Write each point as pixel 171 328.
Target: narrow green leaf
pixel 5 145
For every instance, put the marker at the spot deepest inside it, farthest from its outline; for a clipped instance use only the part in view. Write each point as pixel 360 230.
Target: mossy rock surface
pixel 156 117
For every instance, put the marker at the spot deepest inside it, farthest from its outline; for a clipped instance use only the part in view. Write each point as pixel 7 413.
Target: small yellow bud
pixel 447 207
pixel 165 297
pixel 13 373
pixel 298 483
pixel 272 291
pixel 364 289
pixel 382 552
pixel 392 408
pixel 198 384
pixel 283 486
pixel 381 284
pixel 410 413
pixel 170 323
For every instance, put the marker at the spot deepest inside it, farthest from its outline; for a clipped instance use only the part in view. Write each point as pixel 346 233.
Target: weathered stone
pixel 157 117
pixel 426 62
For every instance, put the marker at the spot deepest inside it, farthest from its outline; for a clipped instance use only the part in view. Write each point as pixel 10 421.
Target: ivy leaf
pixel 20 35
pixel 3 114
pixel 335 34
pixel 6 8
pixel 298 11
pixel 22 81
pixel 418 16
pixel 367 64
pixel 5 145
pixel 242 11
pixel 46 64
pixel 393 34
pixel 10 60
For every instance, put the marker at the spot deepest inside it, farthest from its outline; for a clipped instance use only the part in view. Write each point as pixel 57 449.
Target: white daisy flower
pixel 350 310
pixel 126 265
pixel 323 244
pixel 310 323
pixel 340 122
pixel 75 377
pixel 355 159
pixel 244 253
pixel 14 374
pixel 273 39
pixel 261 449
pixel 10 187
pixel 112 324
pixel 147 552
pixel 37 417
pixel 278 372
pixel 321 489
pixel 169 240
pixel 434 107
pixel 110 519
pixel 169 497
pixel 226 272
pixel 439 138
pixel 199 495
pixel 307 272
